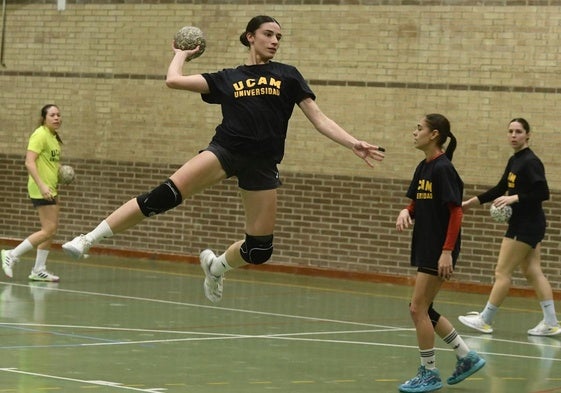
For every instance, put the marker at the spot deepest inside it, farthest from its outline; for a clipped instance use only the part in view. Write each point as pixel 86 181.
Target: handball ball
pixel 189 37
pixel 501 214
pixel 66 174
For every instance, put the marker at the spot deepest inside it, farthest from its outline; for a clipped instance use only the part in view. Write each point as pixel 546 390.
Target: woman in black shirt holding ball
pixel 526 188
pixel 257 100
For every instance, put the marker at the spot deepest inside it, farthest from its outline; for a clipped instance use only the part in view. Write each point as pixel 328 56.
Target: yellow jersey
pixel 44 142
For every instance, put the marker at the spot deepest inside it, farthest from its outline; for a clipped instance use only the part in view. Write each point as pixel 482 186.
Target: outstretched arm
pixel 333 131
pixel 471 202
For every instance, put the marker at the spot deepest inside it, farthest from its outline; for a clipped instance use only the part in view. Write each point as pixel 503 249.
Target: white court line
pixel 283 336
pixel 177 303
pixel 210 336
pixel 96 383
pixel 215 336
pixel 223 336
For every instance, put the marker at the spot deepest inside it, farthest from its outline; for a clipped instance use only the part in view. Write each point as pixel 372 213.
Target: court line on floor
pixel 300 317
pixel 203 306
pixel 291 285
pixel 96 383
pixel 276 336
pixel 28 328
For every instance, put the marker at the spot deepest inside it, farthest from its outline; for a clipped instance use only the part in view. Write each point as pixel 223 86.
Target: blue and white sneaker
pixel 425 381
pixel 465 367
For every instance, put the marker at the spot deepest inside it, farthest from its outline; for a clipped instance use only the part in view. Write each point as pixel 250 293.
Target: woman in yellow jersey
pixel 42 161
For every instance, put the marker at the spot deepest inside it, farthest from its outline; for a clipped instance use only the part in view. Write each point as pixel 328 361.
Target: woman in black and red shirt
pixel 436 211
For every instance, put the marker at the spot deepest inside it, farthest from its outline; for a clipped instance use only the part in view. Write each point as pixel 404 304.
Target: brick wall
pixel 333 222
pixel 376 67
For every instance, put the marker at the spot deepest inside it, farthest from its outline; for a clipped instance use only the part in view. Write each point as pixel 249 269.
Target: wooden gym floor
pixel 124 324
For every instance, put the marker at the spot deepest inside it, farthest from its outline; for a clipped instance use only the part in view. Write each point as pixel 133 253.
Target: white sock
pixel 548 309
pixel 41 260
pixel 428 358
pixel 100 232
pixel 489 312
pixel 457 344
pixel 220 266
pixel 21 249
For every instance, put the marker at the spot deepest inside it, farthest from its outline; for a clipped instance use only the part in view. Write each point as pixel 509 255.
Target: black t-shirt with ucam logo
pixel 257 102
pixel 435 184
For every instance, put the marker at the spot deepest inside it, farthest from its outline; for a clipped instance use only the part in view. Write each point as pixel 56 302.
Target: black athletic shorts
pixel 530 238
pixel 427 270
pixel 43 202
pixel 254 174
pixel 527 231
pixel 430 270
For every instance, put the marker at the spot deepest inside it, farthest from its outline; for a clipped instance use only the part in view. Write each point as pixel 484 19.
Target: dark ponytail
pixel 439 122
pixel 451 147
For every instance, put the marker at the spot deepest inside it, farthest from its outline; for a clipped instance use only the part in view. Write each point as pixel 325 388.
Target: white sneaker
pixel 213 285
pixel 473 320
pixel 8 262
pixel 43 275
pixel 77 247
pixel 545 330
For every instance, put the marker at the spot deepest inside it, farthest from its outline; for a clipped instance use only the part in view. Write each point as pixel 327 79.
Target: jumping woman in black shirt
pixel 257 100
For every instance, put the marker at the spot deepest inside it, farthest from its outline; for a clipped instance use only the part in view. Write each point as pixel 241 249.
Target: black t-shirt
pixel 524 176
pixel 257 102
pixel 435 184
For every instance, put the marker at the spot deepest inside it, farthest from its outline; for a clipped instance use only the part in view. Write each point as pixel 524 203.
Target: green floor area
pixel 118 325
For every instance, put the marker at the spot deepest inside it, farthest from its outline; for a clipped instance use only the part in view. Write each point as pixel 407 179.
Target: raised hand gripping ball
pixel 66 174
pixel 189 37
pixel 500 214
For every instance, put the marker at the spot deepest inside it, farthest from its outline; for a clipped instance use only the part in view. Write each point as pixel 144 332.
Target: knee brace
pixel 433 315
pixel 162 198
pixel 257 249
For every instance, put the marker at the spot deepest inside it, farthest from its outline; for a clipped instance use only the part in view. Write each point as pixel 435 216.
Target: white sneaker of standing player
pixel 473 320
pixel 213 285
pixel 43 275
pixel 8 262
pixel 542 329
pixel 77 247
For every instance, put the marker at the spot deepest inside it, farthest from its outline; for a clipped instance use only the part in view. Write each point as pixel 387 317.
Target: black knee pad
pixel 162 198
pixel 433 315
pixel 257 249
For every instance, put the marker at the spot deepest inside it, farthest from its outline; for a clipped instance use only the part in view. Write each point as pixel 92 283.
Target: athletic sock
pixel 101 231
pixel 41 260
pixel 548 309
pixel 428 358
pixel 457 344
pixel 220 266
pixel 21 249
pixel 489 312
